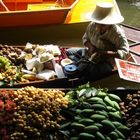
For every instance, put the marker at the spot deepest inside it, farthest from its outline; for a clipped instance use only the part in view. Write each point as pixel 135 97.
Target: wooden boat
pixel 72 82
pixel 15 13
pixel 69 35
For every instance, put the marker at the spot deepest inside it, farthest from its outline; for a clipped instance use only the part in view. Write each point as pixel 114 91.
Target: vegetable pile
pixel 95 114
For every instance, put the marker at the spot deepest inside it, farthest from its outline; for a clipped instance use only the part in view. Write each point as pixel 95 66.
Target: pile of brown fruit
pixel 130 107
pixel 12 53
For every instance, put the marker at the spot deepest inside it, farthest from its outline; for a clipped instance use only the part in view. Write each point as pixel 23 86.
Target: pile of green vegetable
pixel 93 114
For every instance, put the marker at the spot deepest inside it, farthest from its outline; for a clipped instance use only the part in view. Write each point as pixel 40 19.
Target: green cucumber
pixel 87 112
pixel 98 107
pixel 104 113
pixel 116 105
pixel 108 138
pixel 102 103
pixel 117 124
pixel 94 99
pixel 121 135
pixel 109 109
pixel 108 101
pixel 86 121
pixel 91 129
pixel 115 116
pixel 99 125
pixel 74 138
pixel 114 97
pixel 124 129
pixel 113 135
pixel 99 136
pixel 97 117
pixel 86 136
pixel 108 124
pixel 77 126
pixel 101 94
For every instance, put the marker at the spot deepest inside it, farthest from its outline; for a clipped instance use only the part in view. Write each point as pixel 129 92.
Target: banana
pixel 29 77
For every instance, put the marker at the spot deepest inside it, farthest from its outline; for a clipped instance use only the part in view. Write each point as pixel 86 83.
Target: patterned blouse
pixel 112 40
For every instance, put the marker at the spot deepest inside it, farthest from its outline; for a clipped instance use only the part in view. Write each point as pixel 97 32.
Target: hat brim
pixel 108 20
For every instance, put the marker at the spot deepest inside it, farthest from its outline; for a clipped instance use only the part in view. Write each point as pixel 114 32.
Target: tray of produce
pixel 38 65
pixel 77 114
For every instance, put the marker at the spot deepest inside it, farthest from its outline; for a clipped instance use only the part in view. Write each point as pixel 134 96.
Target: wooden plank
pixel 135 52
pixel 132 34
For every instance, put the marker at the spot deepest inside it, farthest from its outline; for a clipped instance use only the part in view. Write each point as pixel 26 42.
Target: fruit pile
pixel 12 53
pixel 130 106
pixel 97 115
pixel 36 115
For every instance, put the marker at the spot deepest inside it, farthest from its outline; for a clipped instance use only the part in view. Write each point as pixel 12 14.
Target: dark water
pixel 130 9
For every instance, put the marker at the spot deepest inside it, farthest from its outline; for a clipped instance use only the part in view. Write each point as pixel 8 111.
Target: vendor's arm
pixel 118 38
pixel 86 41
pixel 121 43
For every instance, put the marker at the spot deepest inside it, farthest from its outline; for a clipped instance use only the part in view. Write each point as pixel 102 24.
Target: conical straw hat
pixel 106 13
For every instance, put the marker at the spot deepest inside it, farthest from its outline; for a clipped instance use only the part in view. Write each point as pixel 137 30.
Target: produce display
pixel 85 113
pixel 32 62
pixel 96 114
pixel 31 113
pixel 130 106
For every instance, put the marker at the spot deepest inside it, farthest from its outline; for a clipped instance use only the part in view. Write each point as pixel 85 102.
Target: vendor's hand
pixel 106 54
pixel 95 57
pixel 91 48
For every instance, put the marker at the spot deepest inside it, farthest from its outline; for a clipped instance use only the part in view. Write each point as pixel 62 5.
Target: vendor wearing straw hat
pixel 103 33
pixel 104 39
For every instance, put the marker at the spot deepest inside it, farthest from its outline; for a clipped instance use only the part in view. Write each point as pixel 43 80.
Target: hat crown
pixel 103 10
pixel 106 13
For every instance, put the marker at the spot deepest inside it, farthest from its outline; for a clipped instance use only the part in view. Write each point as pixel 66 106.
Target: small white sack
pixel 30 63
pixel 46 74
